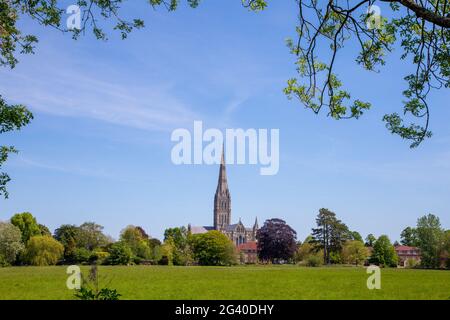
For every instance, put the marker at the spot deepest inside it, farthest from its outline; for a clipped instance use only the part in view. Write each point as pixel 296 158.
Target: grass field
pixel 252 282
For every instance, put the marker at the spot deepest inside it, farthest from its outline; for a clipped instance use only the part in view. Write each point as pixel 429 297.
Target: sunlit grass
pixel 248 282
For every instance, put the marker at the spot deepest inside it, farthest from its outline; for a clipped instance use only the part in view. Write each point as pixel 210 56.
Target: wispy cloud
pixel 73 169
pixel 74 94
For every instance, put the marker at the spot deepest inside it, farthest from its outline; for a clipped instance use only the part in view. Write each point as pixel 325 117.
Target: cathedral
pixel 237 232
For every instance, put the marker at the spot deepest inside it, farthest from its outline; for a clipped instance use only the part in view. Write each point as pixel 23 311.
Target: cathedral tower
pixel 222 199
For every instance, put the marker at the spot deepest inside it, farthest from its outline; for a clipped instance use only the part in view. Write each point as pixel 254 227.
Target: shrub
pixel 99 257
pixel 137 260
pixel 82 255
pixel 335 258
pixel 3 262
pixel 354 252
pixel 164 261
pixel 103 294
pixel 303 251
pixel 213 248
pixel 120 253
pixel 314 261
pixel 90 289
pixel 43 251
pixel 411 263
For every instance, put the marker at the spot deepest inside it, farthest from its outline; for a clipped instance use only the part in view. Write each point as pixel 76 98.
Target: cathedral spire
pixel 222 185
pixel 222 199
pixel 255 226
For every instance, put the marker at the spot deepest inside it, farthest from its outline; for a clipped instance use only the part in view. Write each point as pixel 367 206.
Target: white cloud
pixel 78 169
pixel 75 94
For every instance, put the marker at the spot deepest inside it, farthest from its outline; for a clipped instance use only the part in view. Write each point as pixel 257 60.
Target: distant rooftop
pixel 403 248
pixel 250 245
pixel 200 229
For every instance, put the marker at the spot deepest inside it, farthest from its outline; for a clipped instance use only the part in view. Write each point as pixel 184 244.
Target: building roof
pixel 200 229
pixel 403 248
pixel 231 227
pixel 250 245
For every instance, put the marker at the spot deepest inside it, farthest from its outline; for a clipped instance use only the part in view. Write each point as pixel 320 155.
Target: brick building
pixel 406 253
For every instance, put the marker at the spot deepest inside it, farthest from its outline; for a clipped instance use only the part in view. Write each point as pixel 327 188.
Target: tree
pixel 12 117
pixel 182 254
pixel 49 13
pixel 408 237
pixel 44 231
pixel 68 234
pixel 144 234
pixel 135 238
pixel 43 251
pixel 354 252
pixel 10 243
pixel 179 235
pixel 370 240
pixel 304 250
pixel 421 28
pixel 430 237
pixel 329 235
pixel 276 241
pixel 155 248
pixel 213 248
pixel 307 254
pixel 354 235
pixel 445 254
pixel 384 252
pixel 90 236
pixel 132 237
pixel 120 254
pixel 27 224
pixel 167 252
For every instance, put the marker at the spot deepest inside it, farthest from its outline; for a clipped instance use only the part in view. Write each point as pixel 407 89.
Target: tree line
pixel 331 242
pixel 24 241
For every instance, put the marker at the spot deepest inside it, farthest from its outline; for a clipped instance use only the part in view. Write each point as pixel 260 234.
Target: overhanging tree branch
pixel 424 13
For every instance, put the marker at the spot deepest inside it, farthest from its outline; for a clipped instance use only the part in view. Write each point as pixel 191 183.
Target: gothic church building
pixel 237 232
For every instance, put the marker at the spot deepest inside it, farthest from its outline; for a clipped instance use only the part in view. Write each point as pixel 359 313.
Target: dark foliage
pixel 276 241
pixel 329 235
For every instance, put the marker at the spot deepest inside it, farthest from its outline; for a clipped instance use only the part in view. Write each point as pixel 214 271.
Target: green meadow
pixel 246 282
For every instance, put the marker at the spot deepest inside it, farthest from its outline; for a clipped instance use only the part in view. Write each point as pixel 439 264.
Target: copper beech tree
pixel 276 241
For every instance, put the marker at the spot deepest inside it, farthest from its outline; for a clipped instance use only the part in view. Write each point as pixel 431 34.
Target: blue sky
pixel 99 146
